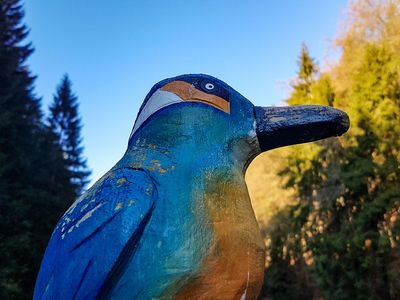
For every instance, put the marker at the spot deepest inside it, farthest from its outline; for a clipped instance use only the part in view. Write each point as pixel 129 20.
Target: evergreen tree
pixel 31 167
pixel 20 130
pixel 302 85
pixel 345 224
pixel 65 123
pixel 287 277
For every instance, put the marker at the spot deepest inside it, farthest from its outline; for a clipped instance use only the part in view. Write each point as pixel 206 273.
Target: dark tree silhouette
pixel 35 186
pixel 65 123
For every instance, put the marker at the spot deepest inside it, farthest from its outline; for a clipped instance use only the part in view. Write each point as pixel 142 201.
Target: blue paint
pixel 79 241
pixel 187 140
pixel 142 231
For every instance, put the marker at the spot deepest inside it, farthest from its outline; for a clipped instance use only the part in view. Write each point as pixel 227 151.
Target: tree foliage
pixel 35 186
pixel 340 238
pixel 66 125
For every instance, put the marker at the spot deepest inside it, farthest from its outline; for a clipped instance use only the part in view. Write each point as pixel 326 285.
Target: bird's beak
pixel 289 125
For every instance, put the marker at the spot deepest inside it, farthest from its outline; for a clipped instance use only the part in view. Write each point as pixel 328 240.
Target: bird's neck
pixel 185 154
pixel 191 154
pixel 195 137
pixel 202 201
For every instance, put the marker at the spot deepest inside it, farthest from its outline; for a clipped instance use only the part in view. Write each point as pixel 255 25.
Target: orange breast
pixel 234 266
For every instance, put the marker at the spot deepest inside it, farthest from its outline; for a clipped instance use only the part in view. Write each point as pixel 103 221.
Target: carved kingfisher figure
pixel 173 219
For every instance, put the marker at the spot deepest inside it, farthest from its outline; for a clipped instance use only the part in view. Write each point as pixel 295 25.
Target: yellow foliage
pixel 265 185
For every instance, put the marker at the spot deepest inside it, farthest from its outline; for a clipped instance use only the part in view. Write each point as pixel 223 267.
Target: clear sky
pixel 114 51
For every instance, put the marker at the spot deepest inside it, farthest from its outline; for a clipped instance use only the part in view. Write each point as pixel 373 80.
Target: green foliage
pixel 344 231
pixel 302 91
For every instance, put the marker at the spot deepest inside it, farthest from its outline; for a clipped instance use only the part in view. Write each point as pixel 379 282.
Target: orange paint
pixel 188 92
pixel 234 266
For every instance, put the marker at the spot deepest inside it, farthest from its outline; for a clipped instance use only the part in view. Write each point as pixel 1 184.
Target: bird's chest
pixel 233 266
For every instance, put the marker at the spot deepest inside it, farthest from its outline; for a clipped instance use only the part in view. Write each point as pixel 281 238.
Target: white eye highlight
pixel 209 86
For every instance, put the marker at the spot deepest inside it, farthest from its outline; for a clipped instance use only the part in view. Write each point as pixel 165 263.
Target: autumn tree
pixel 344 226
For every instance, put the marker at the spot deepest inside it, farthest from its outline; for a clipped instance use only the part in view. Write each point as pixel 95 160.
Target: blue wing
pixel 97 237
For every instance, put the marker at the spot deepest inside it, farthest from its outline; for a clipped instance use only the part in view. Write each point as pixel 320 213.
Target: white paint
pixel 243 297
pixel 88 215
pixel 253 132
pixel 158 100
pixel 209 86
pixel 84 218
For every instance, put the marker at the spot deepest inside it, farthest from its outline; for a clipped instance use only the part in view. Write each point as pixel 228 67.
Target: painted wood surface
pixel 173 219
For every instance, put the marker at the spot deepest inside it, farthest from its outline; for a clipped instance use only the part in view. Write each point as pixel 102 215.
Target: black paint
pixel 289 125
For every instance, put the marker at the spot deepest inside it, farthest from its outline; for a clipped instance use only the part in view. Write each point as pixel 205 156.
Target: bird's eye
pixel 209 86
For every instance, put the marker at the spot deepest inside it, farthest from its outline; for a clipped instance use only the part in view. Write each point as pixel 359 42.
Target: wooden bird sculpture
pixel 173 219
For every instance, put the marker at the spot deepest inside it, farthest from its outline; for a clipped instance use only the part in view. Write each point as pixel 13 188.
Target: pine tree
pixel 31 167
pixel 20 130
pixel 302 85
pixel 65 123
pixel 345 225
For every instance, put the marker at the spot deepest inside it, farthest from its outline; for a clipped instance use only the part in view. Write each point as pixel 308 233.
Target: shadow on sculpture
pixel 173 219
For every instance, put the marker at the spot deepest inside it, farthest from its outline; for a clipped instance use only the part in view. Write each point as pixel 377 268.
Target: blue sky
pixel 114 51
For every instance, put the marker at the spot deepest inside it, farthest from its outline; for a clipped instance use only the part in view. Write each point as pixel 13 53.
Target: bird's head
pixel 198 104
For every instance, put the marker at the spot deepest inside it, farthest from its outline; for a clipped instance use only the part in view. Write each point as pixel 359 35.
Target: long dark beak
pixel 289 125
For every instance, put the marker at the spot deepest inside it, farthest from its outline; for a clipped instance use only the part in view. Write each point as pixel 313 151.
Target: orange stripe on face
pixel 189 93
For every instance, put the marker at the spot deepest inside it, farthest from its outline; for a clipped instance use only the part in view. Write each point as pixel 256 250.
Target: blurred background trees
pixel 337 237
pixel 329 210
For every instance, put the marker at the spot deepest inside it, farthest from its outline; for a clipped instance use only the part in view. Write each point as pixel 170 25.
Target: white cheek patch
pixel 158 100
